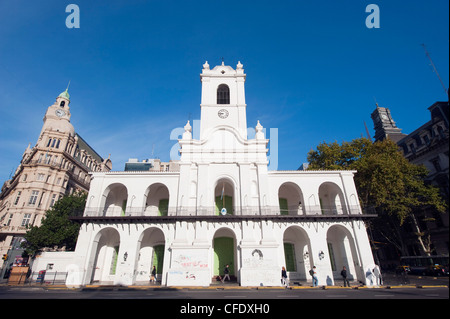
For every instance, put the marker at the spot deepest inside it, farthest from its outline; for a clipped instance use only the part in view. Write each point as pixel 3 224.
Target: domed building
pixel 58 164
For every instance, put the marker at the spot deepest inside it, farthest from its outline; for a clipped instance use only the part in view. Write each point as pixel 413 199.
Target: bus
pixel 426 265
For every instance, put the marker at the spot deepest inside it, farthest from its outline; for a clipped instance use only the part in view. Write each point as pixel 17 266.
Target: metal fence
pixel 211 211
pixel 38 278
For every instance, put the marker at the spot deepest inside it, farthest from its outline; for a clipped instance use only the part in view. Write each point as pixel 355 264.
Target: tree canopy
pixel 56 230
pixel 385 180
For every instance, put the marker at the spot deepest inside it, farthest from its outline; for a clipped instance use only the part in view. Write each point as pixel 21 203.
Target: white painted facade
pixel 134 220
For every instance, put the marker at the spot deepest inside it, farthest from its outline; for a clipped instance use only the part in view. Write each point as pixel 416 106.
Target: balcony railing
pixel 212 211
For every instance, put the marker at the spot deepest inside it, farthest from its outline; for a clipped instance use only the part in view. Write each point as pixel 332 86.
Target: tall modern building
pixel 223 206
pixel 58 164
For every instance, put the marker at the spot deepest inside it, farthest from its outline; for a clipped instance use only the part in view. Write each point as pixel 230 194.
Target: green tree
pixel 56 230
pixel 386 180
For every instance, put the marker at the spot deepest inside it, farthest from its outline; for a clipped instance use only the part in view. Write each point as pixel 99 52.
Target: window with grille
pixel 223 94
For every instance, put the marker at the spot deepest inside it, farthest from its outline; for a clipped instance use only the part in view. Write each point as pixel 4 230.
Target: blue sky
pixel 313 69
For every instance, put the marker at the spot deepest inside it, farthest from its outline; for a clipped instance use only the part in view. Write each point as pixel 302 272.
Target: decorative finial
pixel 187 135
pixel 188 127
pixel 67 89
pixel 223 62
pixel 239 65
pixel 206 66
pixel 259 131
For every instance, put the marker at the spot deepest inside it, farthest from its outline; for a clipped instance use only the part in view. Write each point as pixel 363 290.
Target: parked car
pixel 436 270
pixel 403 269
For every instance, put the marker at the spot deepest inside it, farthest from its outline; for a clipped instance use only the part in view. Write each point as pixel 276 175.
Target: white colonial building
pixel 222 207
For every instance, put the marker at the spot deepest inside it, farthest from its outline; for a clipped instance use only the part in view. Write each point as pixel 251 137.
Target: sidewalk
pixel 390 281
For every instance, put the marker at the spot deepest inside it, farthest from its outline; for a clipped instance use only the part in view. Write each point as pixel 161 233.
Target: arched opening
pixel 224 197
pixel 62 103
pixel 115 200
pixel 224 248
pixel 290 199
pixel 223 94
pixel 151 249
pixel 331 199
pixel 342 252
pixel 105 255
pixel 157 200
pixel 297 256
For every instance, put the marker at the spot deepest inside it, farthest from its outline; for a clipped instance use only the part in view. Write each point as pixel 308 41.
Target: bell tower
pixel 57 120
pixel 385 126
pixel 223 99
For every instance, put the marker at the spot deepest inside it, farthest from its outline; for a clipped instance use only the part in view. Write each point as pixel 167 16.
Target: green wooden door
pixel 112 269
pixel 284 210
pixel 158 258
pixel 163 207
pixel 223 255
pixel 289 256
pixel 124 207
pixel 228 201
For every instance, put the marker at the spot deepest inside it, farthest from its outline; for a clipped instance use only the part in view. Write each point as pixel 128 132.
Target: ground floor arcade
pixel 193 252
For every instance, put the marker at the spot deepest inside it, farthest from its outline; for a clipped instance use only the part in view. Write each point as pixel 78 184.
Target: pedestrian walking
pixel 284 277
pixel 377 273
pixel 153 275
pixel 226 273
pixel 404 274
pixel 313 273
pixel 344 276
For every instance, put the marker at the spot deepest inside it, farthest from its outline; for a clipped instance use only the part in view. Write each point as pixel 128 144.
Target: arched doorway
pixel 342 252
pixel 105 249
pixel 151 247
pixel 290 199
pixel 297 256
pixel 157 200
pixel 224 197
pixel 115 200
pixel 331 199
pixel 224 253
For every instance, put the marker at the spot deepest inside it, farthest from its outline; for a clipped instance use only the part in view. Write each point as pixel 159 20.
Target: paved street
pixel 229 300
pixel 417 287
pixel 224 294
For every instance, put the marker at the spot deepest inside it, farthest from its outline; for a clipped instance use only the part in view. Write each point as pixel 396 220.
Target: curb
pixel 111 287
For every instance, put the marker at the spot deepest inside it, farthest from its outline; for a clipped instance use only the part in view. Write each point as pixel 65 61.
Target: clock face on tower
pixel 60 113
pixel 223 114
pixel 384 117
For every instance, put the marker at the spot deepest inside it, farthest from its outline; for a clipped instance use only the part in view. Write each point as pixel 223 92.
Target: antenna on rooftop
pixel 376 103
pixel 434 69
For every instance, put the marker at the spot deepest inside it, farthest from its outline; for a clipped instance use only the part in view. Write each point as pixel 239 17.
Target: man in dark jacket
pixel 344 276
pixel 226 273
